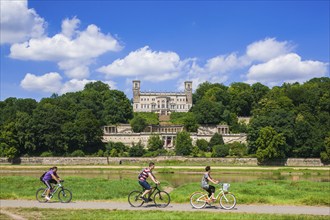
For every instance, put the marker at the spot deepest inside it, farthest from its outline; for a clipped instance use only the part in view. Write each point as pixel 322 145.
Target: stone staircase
pixel 164 118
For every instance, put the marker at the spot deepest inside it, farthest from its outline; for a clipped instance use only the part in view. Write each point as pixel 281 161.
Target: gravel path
pixel 307 210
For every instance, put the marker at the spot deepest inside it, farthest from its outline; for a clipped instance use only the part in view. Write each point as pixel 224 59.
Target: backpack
pixel 42 176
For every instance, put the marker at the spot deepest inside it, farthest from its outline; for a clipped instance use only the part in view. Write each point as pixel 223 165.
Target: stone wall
pixel 122 160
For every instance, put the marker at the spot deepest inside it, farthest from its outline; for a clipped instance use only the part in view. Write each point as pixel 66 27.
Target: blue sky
pixel 58 46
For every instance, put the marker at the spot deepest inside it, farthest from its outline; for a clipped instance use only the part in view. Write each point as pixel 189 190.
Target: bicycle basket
pixel 225 187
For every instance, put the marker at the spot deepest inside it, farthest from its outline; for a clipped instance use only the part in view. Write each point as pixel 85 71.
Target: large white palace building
pixel 162 103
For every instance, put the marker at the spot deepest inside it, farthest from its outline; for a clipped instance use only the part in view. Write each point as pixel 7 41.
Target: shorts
pixel 47 183
pixel 145 185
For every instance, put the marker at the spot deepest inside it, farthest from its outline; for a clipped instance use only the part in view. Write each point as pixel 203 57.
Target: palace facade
pixel 162 103
pixel 124 133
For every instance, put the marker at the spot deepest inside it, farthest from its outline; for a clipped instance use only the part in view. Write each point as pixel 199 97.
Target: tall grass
pixel 251 192
pixel 14 187
pixel 269 192
pixel 36 213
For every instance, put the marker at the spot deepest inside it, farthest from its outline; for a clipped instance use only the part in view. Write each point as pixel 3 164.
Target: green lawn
pixel 36 213
pixel 251 192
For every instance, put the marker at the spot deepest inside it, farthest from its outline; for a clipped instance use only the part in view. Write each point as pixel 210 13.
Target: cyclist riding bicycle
pixel 49 178
pixel 205 183
pixel 146 172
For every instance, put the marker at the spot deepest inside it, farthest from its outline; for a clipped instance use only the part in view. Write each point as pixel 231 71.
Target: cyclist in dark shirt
pixel 49 178
pixel 146 172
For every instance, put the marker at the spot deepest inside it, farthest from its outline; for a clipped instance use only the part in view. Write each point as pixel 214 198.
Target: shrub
pixel 202 144
pixel 99 153
pixel 220 150
pixel 216 139
pixel 78 153
pixel 137 150
pixel 46 154
pixel 237 149
pixel 138 123
pixel 183 145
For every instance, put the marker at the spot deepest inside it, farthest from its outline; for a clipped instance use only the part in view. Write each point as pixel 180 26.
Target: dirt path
pixel 11 215
pixel 307 210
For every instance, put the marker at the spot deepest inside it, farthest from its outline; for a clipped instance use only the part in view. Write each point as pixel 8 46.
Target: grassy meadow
pixel 36 213
pixel 275 192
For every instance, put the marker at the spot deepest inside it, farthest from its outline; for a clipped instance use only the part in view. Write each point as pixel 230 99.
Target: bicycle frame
pixel 52 192
pixel 152 191
pixel 221 192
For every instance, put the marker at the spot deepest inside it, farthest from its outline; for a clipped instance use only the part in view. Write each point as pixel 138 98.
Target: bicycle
pixel 161 198
pixel 64 195
pixel 227 200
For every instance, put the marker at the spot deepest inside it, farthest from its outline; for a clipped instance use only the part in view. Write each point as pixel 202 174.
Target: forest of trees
pixel 292 120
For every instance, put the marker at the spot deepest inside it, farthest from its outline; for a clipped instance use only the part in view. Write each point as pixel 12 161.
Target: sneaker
pixel 144 199
pixel 47 198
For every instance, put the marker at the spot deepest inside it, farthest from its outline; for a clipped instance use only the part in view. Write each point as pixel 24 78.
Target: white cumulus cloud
pixel 19 23
pixel 49 82
pixel 147 65
pixel 286 68
pixel 72 49
pixel 267 49
pixel 52 83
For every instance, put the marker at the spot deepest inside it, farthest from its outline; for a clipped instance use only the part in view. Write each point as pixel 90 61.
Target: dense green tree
pixel 9 146
pixel 241 98
pixel 325 155
pixel 138 124
pixel 115 149
pixel 137 150
pixel 220 151
pixel 97 86
pixel 47 120
pixel 281 120
pixel 208 112
pixel 201 90
pixel 190 122
pixel 183 145
pixel 117 108
pixel 216 139
pixel 308 139
pixel 202 145
pixel 218 93
pixel 258 92
pixel 237 149
pixel 89 132
pixel 155 143
pixel 10 107
pixel 270 145
pixel 24 132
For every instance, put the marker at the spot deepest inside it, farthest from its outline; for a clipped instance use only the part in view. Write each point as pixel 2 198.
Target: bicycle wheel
pixel 64 195
pixel 40 195
pixel 227 201
pixel 162 199
pixel 198 200
pixel 134 199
